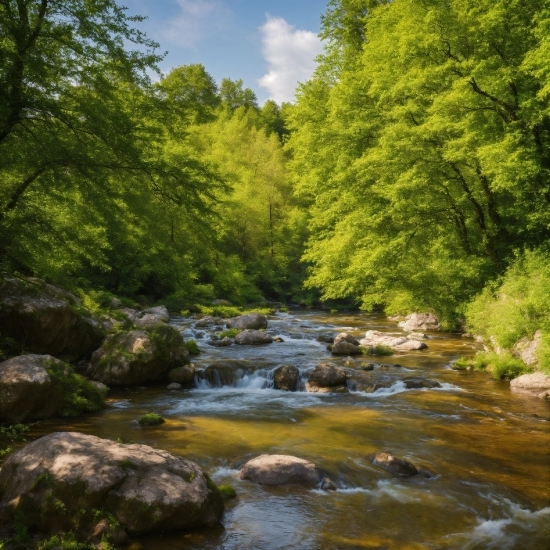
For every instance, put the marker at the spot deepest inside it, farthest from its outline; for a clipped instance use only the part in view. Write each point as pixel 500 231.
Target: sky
pixel 269 44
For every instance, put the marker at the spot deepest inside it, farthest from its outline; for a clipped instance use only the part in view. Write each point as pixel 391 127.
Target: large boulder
pixel 45 319
pixel 527 349
pixel 396 466
pixel 250 320
pixel 250 337
pixel 137 357
pixel 375 338
pixel 286 378
pixel 67 481
pixel 536 384
pixel 148 318
pixel 326 378
pixel 420 321
pixel 35 387
pixel 281 470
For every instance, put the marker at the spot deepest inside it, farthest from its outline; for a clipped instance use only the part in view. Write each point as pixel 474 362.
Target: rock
pixel 174 386
pixel 281 470
pixel 416 336
pixel 325 338
pixel 526 349
pixel 345 337
pixel 224 342
pixel 224 373
pixel 367 366
pixel 102 388
pixel 536 384
pixel 137 357
pixel 182 375
pixel 45 319
pixel 248 337
pixel 286 378
pixel 396 343
pixel 418 383
pixel 103 531
pixel 420 321
pixel 63 479
pixel 207 321
pixel 396 466
pixel 278 339
pixel 345 348
pixel 249 321
pixel 35 387
pixel 325 378
pixel 327 485
pixel 27 391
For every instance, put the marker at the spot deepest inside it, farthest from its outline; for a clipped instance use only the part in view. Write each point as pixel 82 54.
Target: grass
pixel 151 419
pixel 230 333
pixel 227 312
pixel 192 347
pixel 502 366
pixel 377 350
pixel 227 491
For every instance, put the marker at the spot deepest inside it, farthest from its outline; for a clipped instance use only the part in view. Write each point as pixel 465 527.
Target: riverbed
pixel 487 449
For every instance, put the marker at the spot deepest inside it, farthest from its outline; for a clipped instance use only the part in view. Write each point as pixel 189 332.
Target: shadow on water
pixel 489 449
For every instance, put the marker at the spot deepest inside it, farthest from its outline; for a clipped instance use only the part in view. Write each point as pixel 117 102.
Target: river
pixel 487 448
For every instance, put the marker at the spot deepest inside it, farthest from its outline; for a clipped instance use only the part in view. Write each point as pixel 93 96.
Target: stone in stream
pixel 326 378
pixel 282 470
pixel 58 482
pixel 182 375
pixel 249 321
pixel 45 319
pixel 286 378
pixel 396 466
pixel 220 343
pixel 251 337
pixel 207 321
pixel 174 386
pixel 419 383
pixel 137 357
pixel 420 321
pixel 345 344
pixel 224 373
pixel 536 384
pixel 35 387
pixel 397 343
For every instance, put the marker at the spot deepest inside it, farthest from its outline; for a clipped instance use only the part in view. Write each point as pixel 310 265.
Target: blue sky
pixel 269 44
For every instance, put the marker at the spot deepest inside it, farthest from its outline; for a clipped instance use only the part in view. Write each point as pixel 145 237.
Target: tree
pixel 234 95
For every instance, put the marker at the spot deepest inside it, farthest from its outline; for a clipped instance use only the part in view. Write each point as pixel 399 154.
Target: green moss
pixel 227 491
pixel 151 419
pixel 192 347
pixel 165 340
pixel 78 395
pixel 230 333
pixel 377 350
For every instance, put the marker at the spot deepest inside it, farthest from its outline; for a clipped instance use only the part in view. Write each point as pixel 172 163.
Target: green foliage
pixel 192 347
pixel 378 349
pixel 462 364
pixel 78 395
pixel 22 536
pixel 424 161
pixel 227 491
pixel 516 305
pixel 220 311
pixel 229 333
pixel 67 541
pixel 151 419
pixel 501 366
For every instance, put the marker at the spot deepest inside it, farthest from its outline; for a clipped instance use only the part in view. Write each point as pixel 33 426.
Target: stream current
pixel 487 448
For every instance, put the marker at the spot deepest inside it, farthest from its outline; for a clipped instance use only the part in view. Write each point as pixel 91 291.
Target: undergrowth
pixel 503 366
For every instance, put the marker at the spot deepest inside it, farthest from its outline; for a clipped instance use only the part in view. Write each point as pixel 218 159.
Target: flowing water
pixel 487 448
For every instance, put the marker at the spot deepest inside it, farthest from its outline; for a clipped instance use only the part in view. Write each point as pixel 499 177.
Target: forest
pixel 411 173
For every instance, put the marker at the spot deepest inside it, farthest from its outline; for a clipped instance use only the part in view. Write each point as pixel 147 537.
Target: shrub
pixel 227 491
pixel 501 366
pixel 151 419
pixel 192 347
pixel 462 364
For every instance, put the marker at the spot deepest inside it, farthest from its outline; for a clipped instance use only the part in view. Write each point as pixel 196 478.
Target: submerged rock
pixel 420 321
pixel 536 384
pixel 250 337
pixel 35 387
pixel 46 319
pixel 418 383
pixel 281 470
pixel 286 378
pixel 396 466
pixel 326 378
pixel 137 357
pixel 70 479
pixel 249 321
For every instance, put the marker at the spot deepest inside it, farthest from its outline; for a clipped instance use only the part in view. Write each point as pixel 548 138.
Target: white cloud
pixel 290 55
pixel 197 20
